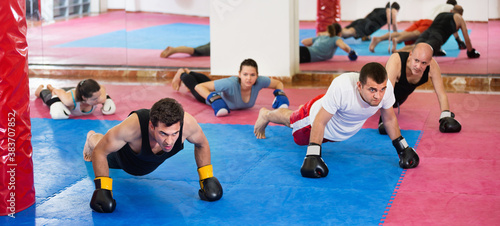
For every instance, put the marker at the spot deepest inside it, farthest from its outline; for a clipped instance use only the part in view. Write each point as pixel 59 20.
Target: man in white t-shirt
pixel 339 114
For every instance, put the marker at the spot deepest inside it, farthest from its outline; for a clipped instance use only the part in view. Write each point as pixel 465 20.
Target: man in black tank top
pixel 142 142
pixel 408 70
pixel 443 26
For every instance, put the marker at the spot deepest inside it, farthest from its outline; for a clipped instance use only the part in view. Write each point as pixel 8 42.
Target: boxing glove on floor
pixel 109 107
pixel 210 188
pixel 408 157
pixel 461 44
pixel 57 109
pixel 473 54
pixel 313 165
pixel 448 123
pixel 102 200
pixel 218 104
pixel 353 55
pixel 280 99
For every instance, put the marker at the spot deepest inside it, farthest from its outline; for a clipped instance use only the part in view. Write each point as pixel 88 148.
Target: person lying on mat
pixel 410 34
pixel 443 26
pixel 143 141
pixel 231 93
pixel 339 114
pixel 76 101
pixel 203 50
pixel 324 46
pixel 363 28
pixel 407 71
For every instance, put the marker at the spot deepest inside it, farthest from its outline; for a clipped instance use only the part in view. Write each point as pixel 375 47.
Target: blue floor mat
pixel 155 37
pixel 193 35
pixel 261 180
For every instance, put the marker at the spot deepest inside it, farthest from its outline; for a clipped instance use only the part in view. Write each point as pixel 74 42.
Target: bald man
pixel 443 26
pixel 408 70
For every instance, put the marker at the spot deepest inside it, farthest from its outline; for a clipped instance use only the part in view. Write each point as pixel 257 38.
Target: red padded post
pixel 16 172
pixel 328 11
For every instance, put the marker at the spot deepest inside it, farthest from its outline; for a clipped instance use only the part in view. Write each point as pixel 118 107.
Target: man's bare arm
pixel 437 82
pixel 318 126
pixel 194 134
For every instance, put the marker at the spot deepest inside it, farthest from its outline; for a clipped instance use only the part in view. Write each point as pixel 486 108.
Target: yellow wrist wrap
pixel 205 172
pixel 104 183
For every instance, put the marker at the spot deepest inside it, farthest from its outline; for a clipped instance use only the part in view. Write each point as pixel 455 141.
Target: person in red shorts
pixel 338 115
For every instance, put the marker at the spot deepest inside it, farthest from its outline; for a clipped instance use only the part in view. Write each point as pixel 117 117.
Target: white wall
pixel 98 6
pixel 116 4
pixel 411 10
pixel 494 9
pixel 257 29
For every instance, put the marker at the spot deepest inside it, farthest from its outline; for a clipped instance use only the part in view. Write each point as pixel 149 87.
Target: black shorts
pixel 305 55
pixel 364 27
pixel 435 39
pixel 203 50
pixel 114 161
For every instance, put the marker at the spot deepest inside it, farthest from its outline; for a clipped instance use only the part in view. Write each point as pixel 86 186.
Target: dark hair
pixel 86 88
pixel 334 29
pixel 249 62
pixel 374 71
pixel 451 2
pixel 167 111
pixel 394 5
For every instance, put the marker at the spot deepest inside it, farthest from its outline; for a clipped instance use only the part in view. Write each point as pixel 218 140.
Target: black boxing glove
pixel 461 44
pixel 408 157
pixel 448 123
pixel 353 56
pixel 473 54
pixel 210 188
pixel 102 200
pixel 313 165
pixel 381 128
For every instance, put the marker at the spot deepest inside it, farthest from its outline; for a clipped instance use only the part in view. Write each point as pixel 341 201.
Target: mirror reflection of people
pixel 141 143
pixel 231 93
pixel 443 26
pixel 363 28
pixel 338 115
pixel 410 34
pixel 77 101
pixel 324 46
pixel 203 50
